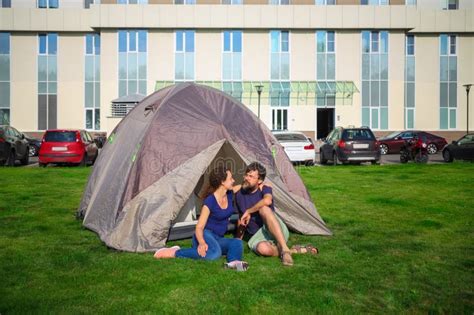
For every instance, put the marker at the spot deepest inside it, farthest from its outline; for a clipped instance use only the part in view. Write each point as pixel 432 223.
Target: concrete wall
pixel 240 16
pixel 24 86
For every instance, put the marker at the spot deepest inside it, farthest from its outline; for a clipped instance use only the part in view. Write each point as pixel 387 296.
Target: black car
pixel 463 149
pixel 35 145
pixel 350 145
pixel 13 146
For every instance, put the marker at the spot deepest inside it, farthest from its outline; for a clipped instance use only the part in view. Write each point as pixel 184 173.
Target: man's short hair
pixel 255 166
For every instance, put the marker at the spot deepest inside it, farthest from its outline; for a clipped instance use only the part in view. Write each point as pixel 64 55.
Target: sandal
pixel 310 249
pixel 286 258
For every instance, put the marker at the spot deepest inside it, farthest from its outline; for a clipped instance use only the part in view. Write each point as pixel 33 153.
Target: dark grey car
pixel 463 149
pixel 13 146
pixel 350 145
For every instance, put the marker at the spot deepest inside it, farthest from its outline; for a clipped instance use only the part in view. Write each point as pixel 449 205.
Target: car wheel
pixel 421 158
pixel 11 159
pixel 335 159
pixel 403 157
pixel 383 148
pixel 33 151
pixel 432 148
pixel 26 159
pixel 322 160
pixel 447 156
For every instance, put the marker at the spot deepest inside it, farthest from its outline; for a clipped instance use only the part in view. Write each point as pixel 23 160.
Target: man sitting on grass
pixel 255 204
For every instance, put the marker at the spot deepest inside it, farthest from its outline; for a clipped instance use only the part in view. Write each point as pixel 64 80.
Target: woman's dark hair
pixel 216 177
pixel 255 166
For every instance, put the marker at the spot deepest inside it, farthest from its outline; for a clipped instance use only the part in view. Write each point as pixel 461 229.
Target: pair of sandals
pixel 286 258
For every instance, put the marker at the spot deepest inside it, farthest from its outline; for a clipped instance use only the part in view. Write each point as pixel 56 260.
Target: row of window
pixel 132 48
pixel 54 4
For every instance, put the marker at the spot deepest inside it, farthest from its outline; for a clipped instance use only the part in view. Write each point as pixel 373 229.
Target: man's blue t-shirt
pixel 218 218
pixel 246 199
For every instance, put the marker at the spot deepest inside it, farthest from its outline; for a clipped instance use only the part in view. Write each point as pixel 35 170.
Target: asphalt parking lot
pixel 385 160
pixel 389 159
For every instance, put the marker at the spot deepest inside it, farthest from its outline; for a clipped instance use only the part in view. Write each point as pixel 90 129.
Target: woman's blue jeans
pixel 216 247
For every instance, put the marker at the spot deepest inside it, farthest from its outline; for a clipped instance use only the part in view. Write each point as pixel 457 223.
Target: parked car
pixel 68 147
pixel 298 147
pixel 394 141
pixel 463 149
pixel 350 145
pixel 34 145
pixel 13 146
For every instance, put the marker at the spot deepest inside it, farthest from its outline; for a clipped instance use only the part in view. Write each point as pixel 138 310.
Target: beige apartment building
pixel 387 64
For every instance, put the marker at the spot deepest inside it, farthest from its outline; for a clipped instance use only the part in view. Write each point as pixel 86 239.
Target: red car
pixel 394 141
pixel 68 147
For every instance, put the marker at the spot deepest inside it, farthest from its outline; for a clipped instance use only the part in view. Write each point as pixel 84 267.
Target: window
pixel 87 3
pixel 374 2
pixel 232 63
pixel 4 78
pixel 410 2
pixel 5 4
pixel 448 82
pixel 232 56
pixel 92 82
pixel 280 56
pixel 132 62
pixel 410 82
pixel 47 80
pixel 450 4
pixel 375 79
pixel 325 2
pixel 184 55
pixel 231 1
pixel 51 4
pixel 325 66
pixel 184 1
pixel 279 2
pixel 280 68
pixel 280 119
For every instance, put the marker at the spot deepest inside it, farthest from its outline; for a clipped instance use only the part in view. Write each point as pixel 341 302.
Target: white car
pixel 298 147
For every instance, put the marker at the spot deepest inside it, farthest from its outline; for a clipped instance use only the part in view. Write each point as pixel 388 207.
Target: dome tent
pixel 146 180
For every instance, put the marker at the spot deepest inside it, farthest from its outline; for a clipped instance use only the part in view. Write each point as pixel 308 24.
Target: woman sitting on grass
pixel 208 241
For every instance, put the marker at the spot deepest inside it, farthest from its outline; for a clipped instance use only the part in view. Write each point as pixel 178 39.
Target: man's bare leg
pixel 267 249
pixel 274 227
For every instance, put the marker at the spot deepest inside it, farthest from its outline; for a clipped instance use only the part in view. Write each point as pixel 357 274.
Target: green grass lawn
pixel 403 242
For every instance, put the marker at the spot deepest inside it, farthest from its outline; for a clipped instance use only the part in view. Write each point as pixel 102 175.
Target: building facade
pixel 387 64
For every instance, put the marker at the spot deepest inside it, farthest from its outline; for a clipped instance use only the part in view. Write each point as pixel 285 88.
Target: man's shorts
pixel 263 234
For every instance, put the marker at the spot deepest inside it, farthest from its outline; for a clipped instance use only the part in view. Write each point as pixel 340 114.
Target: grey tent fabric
pixel 155 162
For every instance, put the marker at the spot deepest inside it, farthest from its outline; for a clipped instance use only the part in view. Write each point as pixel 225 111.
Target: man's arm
pixel 267 200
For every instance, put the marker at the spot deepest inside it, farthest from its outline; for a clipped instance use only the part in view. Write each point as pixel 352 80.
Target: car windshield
pixel 60 136
pixel 466 139
pixel 290 137
pixel 357 134
pixel 393 134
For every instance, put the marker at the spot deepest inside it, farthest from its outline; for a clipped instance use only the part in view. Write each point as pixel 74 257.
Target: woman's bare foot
pixel 164 252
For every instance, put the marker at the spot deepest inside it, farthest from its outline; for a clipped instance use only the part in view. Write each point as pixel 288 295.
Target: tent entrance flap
pixel 185 223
